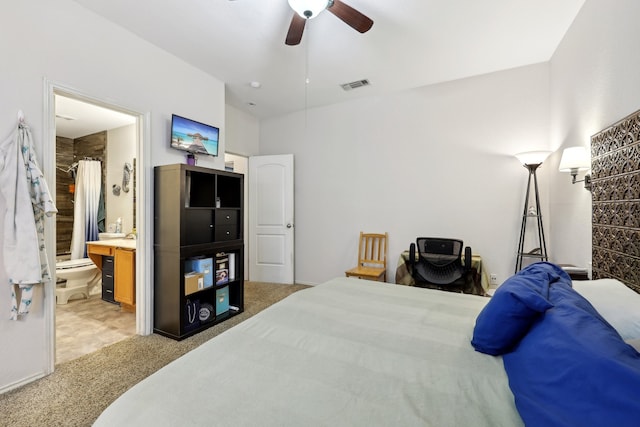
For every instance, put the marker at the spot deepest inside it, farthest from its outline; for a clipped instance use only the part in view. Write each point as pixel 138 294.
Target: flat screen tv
pixel 194 137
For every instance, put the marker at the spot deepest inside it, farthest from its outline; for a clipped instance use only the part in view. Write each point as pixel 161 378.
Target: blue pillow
pixel 573 369
pixel 546 272
pixel 516 304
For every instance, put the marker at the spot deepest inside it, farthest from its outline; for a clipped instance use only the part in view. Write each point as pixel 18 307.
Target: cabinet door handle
pixel 228 232
pixel 228 217
pixel 210 225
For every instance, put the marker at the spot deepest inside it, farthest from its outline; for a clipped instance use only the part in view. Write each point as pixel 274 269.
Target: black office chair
pixel 439 264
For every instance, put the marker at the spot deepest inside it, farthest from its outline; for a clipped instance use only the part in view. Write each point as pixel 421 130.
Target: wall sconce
pixel 574 160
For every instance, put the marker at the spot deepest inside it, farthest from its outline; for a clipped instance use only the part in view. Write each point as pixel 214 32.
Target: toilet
pixel 81 276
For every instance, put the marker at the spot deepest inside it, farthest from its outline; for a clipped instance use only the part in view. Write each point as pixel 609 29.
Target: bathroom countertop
pixel 116 243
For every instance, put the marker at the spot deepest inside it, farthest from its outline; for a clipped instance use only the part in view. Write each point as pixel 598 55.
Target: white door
pixel 271 234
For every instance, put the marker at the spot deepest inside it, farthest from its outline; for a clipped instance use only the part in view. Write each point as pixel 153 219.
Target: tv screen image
pixel 194 137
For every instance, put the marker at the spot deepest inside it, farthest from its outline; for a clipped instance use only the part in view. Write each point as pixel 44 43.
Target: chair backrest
pixel 439 260
pixel 439 251
pixel 372 251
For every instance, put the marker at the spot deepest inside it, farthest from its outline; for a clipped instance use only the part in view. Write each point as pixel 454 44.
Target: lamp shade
pixel 533 157
pixel 308 8
pixel 574 159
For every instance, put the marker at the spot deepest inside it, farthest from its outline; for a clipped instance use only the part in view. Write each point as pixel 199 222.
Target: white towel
pixel 27 201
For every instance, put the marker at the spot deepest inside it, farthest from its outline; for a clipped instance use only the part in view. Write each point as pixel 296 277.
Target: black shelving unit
pixel 198 214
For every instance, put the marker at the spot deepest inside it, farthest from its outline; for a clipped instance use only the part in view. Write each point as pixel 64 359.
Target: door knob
pixel 289 225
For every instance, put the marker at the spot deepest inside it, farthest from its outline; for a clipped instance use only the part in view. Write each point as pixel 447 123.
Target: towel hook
pixel 20 117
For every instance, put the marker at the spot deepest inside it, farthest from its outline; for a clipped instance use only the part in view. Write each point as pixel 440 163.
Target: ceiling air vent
pixel 356 84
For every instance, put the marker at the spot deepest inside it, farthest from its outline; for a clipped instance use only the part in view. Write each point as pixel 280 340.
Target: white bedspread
pixel 345 353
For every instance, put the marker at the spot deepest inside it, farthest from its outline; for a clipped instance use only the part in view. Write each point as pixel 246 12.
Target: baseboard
pixel 298 282
pixel 23 381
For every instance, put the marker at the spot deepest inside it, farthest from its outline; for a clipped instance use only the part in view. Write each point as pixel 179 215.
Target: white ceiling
pixel 412 43
pixel 75 118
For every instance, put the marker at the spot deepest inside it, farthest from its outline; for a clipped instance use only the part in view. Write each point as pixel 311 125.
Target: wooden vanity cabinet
pixel 125 277
pixel 118 266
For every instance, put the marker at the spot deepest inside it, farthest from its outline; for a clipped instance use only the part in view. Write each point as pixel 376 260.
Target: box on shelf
pixel 201 265
pixel 222 300
pixel 193 282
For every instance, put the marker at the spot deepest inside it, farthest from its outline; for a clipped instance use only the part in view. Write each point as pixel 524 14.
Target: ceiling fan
pixel 307 9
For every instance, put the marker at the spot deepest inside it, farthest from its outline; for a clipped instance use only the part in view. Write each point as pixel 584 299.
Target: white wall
pixel 243 132
pixel 60 41
pixel 594 77
pixel 243 141
pixel 121 149
pixel 434 161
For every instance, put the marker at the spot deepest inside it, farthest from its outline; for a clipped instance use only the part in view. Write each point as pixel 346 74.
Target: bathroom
pixel 84 321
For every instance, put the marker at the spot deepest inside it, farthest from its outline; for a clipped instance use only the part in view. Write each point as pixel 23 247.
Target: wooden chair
pixel 372 258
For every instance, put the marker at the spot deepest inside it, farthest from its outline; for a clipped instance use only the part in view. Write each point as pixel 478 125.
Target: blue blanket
pixel 570 368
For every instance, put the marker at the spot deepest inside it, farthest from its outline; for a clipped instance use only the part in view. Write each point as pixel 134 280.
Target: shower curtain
pixel 85 209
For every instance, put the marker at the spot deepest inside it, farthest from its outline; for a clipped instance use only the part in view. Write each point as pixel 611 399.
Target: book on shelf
pixel 222 268
pixel 232 266
pixel 222 276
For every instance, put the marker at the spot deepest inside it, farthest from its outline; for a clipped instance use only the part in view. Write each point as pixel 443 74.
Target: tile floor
pixel 86 325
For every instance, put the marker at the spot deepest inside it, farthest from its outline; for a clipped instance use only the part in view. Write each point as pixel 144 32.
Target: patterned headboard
pixel 615 180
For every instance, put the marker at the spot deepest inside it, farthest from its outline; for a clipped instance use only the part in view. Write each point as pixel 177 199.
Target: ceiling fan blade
pixel 295 30
pixel 350 16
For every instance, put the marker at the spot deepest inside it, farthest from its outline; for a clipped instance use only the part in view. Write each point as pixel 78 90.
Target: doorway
pixel 89 130
pixel 271 218
pixel 240 164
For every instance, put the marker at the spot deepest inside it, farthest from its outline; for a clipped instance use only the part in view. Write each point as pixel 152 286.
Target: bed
pixel 345 353
pixel 348 352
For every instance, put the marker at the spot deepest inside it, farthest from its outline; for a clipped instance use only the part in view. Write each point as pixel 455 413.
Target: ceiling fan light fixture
pixel 308 8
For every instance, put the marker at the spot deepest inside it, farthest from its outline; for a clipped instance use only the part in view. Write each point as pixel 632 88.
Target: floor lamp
pixel 532 160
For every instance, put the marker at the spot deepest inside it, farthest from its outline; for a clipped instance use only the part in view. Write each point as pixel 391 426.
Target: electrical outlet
pixel 494 279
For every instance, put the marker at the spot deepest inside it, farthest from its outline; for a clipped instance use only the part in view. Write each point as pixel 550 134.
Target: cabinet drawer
pixel 107 295
pixel 107 282
pixel 101 250
pixel 226 216
pixel 107 287
pixel 226 232
pixel 107 265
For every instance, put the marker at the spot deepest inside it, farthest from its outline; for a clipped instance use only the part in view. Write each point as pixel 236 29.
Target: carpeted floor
pixel 79 390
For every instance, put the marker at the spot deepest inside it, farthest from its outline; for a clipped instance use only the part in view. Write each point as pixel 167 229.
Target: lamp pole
pixel 541 250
